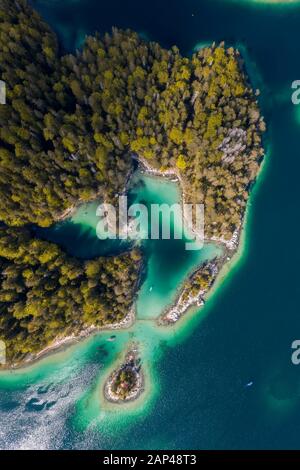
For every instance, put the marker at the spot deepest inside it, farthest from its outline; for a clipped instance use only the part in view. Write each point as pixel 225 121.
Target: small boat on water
pixel 249 384
pixel 111 338
pixel 151 288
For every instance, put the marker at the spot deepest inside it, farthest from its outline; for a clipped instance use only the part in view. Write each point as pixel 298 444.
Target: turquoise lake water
pixel 197 371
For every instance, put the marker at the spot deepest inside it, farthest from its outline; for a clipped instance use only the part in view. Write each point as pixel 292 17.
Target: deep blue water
pixel 255 316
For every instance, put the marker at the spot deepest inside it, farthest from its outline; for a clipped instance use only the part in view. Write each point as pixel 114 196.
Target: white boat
pixel 111 338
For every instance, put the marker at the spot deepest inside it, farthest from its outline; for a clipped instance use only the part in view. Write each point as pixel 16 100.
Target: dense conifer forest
pixel 69 131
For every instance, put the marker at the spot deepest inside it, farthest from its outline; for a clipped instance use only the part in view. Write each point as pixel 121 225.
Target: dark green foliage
pixel 68 133
pixel 45 293
pixel 72 122
pixel 124 382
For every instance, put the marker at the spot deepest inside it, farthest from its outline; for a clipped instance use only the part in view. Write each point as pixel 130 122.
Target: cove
pixel 167 262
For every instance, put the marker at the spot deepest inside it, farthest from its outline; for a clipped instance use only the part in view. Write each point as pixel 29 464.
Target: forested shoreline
pixel 69 130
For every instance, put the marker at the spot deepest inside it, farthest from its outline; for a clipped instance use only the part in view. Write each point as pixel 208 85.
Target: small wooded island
pixel 126 383
pixel 68 134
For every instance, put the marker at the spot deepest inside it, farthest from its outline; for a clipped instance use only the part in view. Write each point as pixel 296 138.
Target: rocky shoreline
pixel 187 298
pixel 174 176
pixel 62 342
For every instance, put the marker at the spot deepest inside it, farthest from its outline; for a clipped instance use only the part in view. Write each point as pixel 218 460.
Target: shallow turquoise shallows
pixel 197 372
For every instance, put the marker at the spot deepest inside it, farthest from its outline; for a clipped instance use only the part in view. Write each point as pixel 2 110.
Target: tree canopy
pixel 69 130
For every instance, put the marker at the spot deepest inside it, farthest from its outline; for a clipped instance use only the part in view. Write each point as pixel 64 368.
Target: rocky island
pixel 126 383
pixel 69 131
